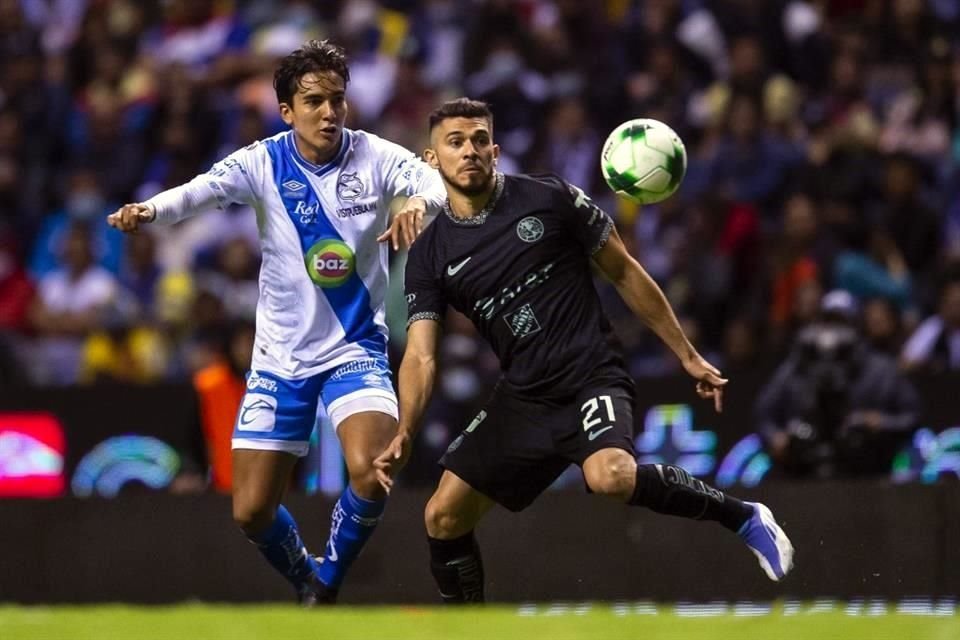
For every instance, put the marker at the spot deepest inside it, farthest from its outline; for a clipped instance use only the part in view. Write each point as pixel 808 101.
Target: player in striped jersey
pixel 321 193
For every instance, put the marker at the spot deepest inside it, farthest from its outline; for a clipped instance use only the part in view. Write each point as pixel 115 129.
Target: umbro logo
pixel 293 185
pixel 454 269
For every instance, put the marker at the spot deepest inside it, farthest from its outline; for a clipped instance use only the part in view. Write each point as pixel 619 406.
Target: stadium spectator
pixel 86 204
pixel 72 301
pixel 914 227
pixel 220 386
pixel 569 145
pixel 835 407
pixel 935 345
pixel 794 258
pixel 16 295
pixel 233 277
pixel 882 326
pixel 140 275
pixel 873 266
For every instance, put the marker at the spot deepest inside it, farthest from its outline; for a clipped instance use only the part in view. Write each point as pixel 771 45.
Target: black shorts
pixel 515 447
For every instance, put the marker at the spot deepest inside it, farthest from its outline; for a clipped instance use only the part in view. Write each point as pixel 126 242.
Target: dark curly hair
pixel 313 57
pixel 461 108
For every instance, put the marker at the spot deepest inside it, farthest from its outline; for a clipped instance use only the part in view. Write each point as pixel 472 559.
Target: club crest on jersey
pixel 349 186
pixel 530 229
pixel 330 263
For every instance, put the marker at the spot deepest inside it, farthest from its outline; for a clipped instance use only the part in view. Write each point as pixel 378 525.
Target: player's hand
pixel 709 382
pixel 393 458
pixel 406 224
pixel 129 217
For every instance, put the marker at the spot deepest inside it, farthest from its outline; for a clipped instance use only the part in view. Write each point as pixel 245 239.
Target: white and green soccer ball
pixel 644 160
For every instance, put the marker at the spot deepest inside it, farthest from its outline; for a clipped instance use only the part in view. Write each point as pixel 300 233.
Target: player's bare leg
pixel 356 514
pixel 671 490
pixel 451 515
pixel 362 437
pixel 260 479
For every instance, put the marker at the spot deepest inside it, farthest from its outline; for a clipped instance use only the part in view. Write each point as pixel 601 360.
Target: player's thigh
pixel 272 429
pixel 360 401
pixel 260 479
pixel 277 414
pixel 455 507
pixel 602 419
pixel 509 451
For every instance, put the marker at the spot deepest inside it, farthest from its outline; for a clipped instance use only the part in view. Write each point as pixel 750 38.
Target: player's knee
pixel 614 476
pixel 443 521
pixel 363 478
pixel 251 517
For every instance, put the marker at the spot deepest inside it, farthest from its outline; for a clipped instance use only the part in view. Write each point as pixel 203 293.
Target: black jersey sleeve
pixel 425 299
pixel 590 224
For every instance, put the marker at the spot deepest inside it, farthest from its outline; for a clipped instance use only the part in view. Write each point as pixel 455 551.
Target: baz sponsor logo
pixel 522 322
pixel 349 186
pixel 530 229
pixel 330 263
pixel 257 413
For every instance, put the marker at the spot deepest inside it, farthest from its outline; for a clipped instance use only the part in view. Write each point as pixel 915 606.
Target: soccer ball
pixel 643 160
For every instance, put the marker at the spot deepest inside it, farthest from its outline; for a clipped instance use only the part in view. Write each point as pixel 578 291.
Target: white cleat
pixel 768 542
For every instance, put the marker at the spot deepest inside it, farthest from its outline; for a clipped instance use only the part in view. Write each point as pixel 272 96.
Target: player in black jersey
pixel 514 254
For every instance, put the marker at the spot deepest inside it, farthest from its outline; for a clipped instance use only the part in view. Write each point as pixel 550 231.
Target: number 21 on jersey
pixel 591 406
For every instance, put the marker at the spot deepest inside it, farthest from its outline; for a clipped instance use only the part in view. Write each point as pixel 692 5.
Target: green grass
pixel 215 622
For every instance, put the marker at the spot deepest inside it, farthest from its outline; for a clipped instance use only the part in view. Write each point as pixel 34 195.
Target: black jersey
pixel 520 270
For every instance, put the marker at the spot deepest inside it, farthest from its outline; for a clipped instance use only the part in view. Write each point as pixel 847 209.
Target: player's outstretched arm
pixel 417 374
pixel 227 182
pixel 646 300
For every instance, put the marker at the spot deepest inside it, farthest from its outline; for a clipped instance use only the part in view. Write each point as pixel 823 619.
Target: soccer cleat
pixel 315 593
pixel 768 542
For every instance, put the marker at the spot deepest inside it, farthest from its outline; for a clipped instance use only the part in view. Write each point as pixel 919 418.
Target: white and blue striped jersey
pixel 323 278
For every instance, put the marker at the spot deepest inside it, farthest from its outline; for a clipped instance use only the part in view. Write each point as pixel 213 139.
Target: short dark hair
pixel 314 56
pixel 461 108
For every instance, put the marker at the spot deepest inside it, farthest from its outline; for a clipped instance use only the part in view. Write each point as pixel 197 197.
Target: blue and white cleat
pixel 768 542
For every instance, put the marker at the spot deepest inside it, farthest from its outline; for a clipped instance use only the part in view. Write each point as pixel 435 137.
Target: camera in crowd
pixel 835 407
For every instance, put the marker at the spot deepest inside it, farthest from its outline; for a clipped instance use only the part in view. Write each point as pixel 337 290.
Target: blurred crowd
pixel 823 145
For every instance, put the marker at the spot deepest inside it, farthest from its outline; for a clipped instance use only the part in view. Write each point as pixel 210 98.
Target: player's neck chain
pixel 482 216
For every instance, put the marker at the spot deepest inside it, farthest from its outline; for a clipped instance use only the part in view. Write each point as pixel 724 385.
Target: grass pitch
pixel 537 622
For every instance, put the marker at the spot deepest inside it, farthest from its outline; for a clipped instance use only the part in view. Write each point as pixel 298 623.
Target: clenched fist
pixel 129 217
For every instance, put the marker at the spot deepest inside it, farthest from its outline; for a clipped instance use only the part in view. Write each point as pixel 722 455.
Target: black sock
pixel 458 569
pixel 671 490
